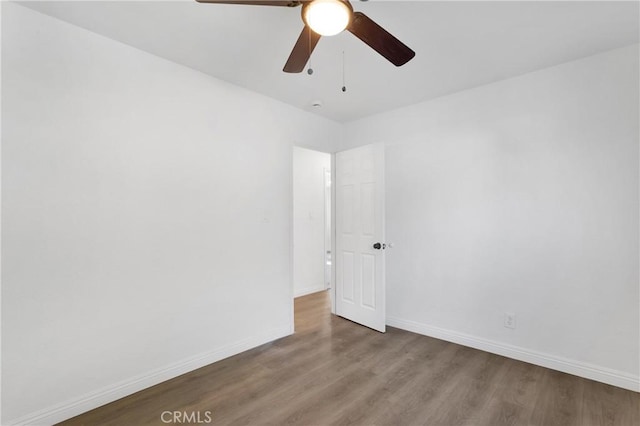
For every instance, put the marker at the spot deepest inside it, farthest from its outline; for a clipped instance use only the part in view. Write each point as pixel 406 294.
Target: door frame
pixel 332 290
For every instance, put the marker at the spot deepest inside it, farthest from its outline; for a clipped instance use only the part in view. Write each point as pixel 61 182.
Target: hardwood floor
pixel 332 371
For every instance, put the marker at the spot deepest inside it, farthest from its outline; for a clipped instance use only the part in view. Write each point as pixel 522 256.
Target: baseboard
pixel 108 394
pixel 307 290
pixel 577 368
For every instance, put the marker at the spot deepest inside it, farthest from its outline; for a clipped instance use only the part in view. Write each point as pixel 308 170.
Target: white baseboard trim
pixel 577 368
pixel 105 395
pixel 307 290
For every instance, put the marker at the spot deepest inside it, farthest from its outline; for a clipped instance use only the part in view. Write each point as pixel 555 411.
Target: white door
pixel 359 260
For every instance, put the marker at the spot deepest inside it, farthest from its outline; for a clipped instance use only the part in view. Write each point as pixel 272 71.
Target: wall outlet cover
pixel 510 320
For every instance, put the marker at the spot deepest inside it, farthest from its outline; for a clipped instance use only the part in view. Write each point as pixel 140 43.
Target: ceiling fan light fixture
pixel 327 17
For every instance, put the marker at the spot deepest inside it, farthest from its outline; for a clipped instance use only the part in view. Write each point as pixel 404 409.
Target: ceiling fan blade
pixel 287 3
pixel 380 39
pixel 302 50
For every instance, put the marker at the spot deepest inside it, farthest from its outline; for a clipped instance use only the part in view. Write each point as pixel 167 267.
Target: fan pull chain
pixel 309 70
pixel 344 85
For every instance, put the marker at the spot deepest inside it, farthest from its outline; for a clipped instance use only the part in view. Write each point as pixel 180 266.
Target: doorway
pixel 312 227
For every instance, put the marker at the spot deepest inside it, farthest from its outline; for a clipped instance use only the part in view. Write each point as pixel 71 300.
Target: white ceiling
pixel 458 45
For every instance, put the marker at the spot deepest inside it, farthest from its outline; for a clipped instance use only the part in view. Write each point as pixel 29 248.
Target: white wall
pixel 146 217
pixel 309 220
pixel 520 196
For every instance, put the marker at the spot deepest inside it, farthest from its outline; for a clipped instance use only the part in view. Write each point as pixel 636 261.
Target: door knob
pixel 379 246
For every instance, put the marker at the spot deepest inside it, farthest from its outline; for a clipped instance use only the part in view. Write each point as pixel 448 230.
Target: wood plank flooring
pixel 334 372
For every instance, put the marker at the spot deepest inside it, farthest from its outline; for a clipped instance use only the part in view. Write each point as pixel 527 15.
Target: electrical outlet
pixel 509 320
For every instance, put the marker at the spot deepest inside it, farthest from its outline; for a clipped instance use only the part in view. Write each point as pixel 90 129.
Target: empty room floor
pixel 332 371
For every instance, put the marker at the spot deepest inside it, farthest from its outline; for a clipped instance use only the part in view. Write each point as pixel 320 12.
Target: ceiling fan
pixel 330 17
